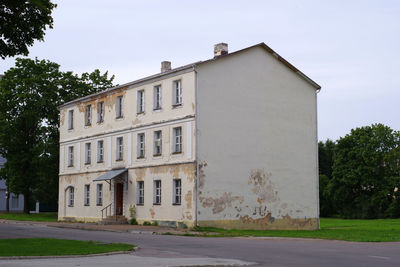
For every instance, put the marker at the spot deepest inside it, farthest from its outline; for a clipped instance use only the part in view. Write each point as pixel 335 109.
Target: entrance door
pixel 118 198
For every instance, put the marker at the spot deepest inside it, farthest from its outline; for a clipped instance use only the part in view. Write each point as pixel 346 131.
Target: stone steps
pixel 119 219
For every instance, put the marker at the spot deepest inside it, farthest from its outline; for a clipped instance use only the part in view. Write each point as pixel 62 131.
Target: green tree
pixel 29 96
pixel 366 177
pixel 325 163
pixel 21 23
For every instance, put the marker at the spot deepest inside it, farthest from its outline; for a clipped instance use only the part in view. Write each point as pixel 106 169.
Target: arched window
pixel 70 196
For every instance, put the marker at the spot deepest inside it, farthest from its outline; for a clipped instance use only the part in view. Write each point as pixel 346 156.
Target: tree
pixel 325 163
pixel 366 173
pixel 29 96
pixel 21 23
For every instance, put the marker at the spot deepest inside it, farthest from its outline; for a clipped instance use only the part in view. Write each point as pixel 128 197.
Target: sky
pixel 350 48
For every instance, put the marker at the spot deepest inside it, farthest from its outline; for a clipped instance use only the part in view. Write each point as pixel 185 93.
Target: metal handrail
pixel 106 209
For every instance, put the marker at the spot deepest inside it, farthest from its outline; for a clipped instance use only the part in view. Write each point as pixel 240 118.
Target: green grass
pixel 40 217
pixel 56 247
pixel 381 230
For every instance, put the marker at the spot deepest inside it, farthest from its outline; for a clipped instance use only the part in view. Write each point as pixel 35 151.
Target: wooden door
pixel 119 198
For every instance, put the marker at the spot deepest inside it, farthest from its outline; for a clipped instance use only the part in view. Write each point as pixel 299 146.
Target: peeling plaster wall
pixel 257 144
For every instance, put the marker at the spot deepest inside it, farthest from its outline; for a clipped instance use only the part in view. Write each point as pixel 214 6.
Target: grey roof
pixel 2 161
pixel 193 65
pixel 110 175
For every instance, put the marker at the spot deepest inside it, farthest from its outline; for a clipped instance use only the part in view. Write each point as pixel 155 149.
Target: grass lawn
pixel 53 247
pixel 42 217
pixel 381 230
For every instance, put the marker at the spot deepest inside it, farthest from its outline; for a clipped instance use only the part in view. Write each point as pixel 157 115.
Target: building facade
pixel 16 202
pixel 228 142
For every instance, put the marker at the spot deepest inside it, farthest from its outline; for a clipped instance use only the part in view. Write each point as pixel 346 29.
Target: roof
pixel 193 65
pixel 2 161
pixel 110 175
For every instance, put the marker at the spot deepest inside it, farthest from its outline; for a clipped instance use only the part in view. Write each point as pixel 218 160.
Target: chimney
pixel 220 49
pixel 165 66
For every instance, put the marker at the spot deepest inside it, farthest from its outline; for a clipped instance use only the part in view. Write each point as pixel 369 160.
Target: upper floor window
pixel 100 112
pixel 100 151
pixel 157 143
pixel 140 193
pixel 140 101
pixel 177 191
pixel 88 115
pixel 87 195
pixel 177 140
pixel 88 153
pixel 71 197
pixel 157 97
pixel 118 108
pixel 140 145
pixel 70 156
pixel 177 93
pixel 120 148
pixel 71 119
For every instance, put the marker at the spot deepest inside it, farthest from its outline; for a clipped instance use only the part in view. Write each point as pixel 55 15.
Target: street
pixel 263 251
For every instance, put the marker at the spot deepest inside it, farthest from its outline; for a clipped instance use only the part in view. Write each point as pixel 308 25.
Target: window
pixel 118 107
pixel 88 153
pixel 177 93
pixel 140 145
pixel 99 198
pixel 157 97
pixel 177 192
pixel 87 195
pixel 14 202
pixel 120 148
pixel 140 101
pixel 88 115
pixel 157 192
pixel 70 156
pixel 71 197
pixel 157 143
pixel 70 119
pixel 140 193
pixel 177 134
pixel 100 112
pixel 100 151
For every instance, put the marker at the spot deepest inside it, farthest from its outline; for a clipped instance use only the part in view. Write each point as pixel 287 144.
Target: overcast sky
pixel 350 48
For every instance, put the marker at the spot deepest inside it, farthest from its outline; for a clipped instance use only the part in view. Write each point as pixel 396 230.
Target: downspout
pixel 317 161
pixel 196 118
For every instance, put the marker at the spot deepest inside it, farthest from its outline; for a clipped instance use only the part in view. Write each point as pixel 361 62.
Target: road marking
pixel 379 257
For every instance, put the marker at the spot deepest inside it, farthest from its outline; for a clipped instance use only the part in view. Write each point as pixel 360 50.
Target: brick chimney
pixel 165 66
pixel 220 49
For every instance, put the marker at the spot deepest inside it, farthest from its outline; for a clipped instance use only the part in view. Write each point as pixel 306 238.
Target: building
pixel 16 202
pixel 227 142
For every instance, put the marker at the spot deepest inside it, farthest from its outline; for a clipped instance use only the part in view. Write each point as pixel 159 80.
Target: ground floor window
pixel 140 193
pixel 87 194
pixel 99 198
pixel 157 192
pixel 177 183
pixel 71 197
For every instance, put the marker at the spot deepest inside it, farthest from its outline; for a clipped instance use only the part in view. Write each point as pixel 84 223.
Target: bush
pixel 155 223
pixel 146 223
pixel 133 222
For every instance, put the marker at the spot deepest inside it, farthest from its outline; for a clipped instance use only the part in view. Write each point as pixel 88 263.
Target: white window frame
pixel 157 98
pixel 86 195
pixel 157 192
pixel 177 193
pixel 70 119
pixel 119 148
pixel 99 195
pixel 70 156
pixel 177 140
pixel 140 102
pixel 88 115
pixel 100 151
pixel 118 109
pixel 71 195
pixel 157 143
pixel 141 145
pixel 88 153
pixel 177 93
pixel 140 193
pixel 100 112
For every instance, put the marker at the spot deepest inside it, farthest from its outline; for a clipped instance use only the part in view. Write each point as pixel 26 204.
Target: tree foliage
pixel 29 96
pixel 365 180
pixel 325 163
pixel 21 23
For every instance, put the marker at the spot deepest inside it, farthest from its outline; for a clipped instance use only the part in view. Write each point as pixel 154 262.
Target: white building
pixel 16 202
pixel 227 142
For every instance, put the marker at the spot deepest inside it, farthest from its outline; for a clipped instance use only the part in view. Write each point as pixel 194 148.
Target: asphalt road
pixel 264 251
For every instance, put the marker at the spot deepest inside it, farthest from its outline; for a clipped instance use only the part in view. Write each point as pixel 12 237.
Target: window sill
pixel 70 166
pixel 100 122
pixel 87 163
pixel 176 204
pixel 86 205
pixel 141 157
pixel 100 161
pixel 87 125
pixel 176 152
pixel 157 155
pixel 99 204
pixel 139 204
pixel 119 118
pixel 70 206
pixel 156 204
pixel 119 159
pixel 157 109
pixel 177 105
pixel 140 113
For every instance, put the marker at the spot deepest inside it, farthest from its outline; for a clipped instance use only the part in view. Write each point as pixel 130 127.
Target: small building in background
pixel 16 201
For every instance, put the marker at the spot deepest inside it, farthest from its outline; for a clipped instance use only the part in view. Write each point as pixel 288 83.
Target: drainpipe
pixel 316 135
pixel 196 118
